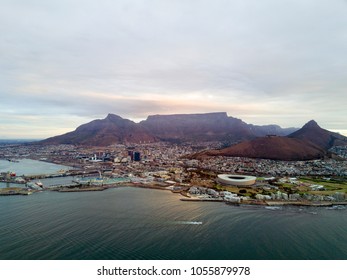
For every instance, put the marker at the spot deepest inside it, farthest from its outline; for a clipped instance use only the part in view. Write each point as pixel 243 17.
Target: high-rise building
pixel 137 156
pixel 131 154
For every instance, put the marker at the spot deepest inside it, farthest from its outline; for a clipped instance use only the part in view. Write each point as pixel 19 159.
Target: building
pixel 137 156
pixel 236 180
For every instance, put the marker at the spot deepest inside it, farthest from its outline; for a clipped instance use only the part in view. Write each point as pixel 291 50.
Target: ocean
pixel 134 223
pixel 33 167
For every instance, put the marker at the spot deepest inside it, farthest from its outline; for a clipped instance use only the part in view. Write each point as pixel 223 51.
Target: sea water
pixel 33 167
pixel 135 223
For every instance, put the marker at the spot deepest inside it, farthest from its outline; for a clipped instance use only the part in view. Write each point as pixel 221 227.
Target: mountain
pixel 173 128
pixel 272 129
pixel 312 132
pixel 193 127
pixel 309 142
pixel 113 129
pixel 271 147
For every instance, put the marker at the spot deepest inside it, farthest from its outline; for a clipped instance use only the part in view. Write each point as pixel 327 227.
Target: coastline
pixel 183 193
pixel 188 198
pixel 77 186
pixel 270 203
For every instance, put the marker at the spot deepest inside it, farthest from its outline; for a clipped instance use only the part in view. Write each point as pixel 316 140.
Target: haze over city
pixel 64 63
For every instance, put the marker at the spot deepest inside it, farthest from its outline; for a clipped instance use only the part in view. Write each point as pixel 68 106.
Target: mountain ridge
pixel 214 126
pixel 309 142
pixel 103 132
pixel 312 132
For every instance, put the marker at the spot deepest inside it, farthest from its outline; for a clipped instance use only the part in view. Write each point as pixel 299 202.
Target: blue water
pixel 134 223
pixel 31 167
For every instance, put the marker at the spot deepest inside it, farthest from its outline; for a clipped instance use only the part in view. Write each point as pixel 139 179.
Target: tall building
pixel 131 154
pixel 137 156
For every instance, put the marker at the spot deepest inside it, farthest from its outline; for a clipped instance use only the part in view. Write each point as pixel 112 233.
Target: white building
pixel 236 180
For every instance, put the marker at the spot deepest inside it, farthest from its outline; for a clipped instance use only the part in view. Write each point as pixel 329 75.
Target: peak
pixel 311 124
pixel 112 117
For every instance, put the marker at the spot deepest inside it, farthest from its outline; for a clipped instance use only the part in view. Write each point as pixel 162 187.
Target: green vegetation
pixel 260 179
pixel 331 185
pixel 219 188
pixel 301 186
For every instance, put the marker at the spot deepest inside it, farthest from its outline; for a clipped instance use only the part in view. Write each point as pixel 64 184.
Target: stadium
pixel 236 180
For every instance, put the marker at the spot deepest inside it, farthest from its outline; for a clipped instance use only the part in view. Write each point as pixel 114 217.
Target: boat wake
pixel 337 207
pixel 188 223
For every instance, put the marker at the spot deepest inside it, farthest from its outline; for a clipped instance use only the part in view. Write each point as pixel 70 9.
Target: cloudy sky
pixel 67 62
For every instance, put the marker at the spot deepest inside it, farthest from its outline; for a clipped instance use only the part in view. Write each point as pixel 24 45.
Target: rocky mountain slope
pixel 312 132
pixel 112 129
pixel 309 142
pixel 176 128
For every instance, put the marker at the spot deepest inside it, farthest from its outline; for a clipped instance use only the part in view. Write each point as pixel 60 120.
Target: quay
pixel 65 174
pixel 7 192
pixel 63 186
pixel 93 189
pixel 305 203
pixel 270 203
pixel 202 200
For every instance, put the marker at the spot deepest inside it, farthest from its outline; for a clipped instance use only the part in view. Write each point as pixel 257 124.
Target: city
pixel 169 166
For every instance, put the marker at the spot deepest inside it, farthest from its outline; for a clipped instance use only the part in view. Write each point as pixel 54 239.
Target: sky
pixel 67 62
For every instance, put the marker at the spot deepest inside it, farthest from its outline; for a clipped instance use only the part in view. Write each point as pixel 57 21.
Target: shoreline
pixel 184 195
pixel 270 203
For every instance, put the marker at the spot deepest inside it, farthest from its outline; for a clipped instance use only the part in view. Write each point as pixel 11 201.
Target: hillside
pixel 309 142
pixel 312 132
pixel 173 128
pixel 113 129
pixel 274 147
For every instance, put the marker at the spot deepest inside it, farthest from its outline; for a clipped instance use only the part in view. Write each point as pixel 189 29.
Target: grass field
pixel 331 186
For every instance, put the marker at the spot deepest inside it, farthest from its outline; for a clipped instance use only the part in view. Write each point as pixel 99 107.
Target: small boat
pixel 39 183
pixel 273 208
pixel 12 160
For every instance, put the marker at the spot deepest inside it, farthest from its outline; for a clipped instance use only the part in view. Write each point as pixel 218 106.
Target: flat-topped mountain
pixel 178 128
pixel 310 142
pixel 192 127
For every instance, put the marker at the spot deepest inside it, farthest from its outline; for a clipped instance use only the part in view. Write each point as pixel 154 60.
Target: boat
pixel 12 160
pixel 39 183
pixel 273 208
